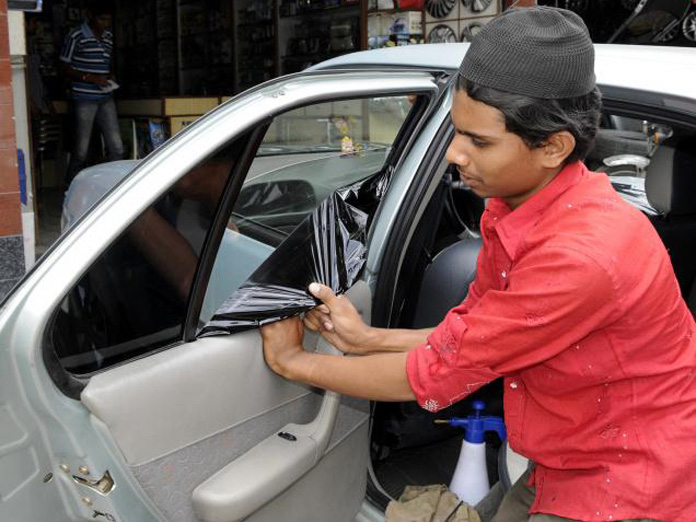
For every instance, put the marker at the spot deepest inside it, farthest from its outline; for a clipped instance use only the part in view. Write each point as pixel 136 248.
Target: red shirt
pixel 576 305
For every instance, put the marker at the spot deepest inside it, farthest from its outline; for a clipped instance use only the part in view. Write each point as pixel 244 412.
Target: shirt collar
pixel 512 225
pixel 87 30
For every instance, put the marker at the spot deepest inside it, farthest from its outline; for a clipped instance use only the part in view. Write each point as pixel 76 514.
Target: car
pixel 115 407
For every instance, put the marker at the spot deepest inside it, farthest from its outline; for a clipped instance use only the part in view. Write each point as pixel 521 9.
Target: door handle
pixel 269 468
pixel 103 486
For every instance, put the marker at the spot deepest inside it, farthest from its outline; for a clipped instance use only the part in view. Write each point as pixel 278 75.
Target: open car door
pixel 111 405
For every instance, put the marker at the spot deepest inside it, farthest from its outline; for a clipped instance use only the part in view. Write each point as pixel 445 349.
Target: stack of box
pixel 146 123
pixel 397 28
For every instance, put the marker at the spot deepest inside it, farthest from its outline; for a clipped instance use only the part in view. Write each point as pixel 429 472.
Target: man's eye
pixel 478 143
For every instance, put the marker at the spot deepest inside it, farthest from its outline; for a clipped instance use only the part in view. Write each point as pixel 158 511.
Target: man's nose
pixel 455 155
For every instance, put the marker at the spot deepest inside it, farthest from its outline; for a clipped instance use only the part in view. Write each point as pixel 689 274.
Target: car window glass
pixel 134 298
pixel 306 154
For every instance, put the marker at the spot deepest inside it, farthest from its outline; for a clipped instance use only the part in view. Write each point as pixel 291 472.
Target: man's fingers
pixel 323 292
pixel 314 314
pixel 324 309
pixel 324 320
pixel 312 323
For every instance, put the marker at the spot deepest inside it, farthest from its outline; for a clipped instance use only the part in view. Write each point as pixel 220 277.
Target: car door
pixel 112 408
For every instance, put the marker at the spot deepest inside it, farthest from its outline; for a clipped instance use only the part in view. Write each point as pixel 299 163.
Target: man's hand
pixel 97 79
pixel 380 377
pixel 282 343
pixel 339 322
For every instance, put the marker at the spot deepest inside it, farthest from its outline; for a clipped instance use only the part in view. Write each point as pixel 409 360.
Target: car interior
pixel 651 163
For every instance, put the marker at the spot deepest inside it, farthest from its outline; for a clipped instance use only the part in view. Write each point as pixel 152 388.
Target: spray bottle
pixel 470 479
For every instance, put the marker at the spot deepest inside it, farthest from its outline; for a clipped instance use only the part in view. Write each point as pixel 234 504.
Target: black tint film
pixel 328 247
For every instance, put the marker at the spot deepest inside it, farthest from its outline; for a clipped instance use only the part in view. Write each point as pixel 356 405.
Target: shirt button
pixel 503 274
pixel 513 385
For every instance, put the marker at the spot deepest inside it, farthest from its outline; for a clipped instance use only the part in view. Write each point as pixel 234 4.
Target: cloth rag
pixel 433 503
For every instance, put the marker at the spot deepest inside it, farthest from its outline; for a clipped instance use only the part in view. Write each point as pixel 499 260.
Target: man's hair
pixel 535 119
pixel 100 7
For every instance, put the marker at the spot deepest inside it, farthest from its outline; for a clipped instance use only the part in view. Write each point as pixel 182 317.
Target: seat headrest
pixel 670 182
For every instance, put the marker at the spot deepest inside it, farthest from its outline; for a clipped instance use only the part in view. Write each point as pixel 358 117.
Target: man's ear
pixel 557 147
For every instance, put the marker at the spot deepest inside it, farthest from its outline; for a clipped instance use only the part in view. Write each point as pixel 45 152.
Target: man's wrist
pixel 376 340
pixel 298 367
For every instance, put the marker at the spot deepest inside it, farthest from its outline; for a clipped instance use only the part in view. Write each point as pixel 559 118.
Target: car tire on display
pixel 439 8
pixel 470 30
pixel 689 26
pixel 442 34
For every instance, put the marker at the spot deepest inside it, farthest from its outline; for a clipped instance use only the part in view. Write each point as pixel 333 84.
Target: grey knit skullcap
pixel 543 52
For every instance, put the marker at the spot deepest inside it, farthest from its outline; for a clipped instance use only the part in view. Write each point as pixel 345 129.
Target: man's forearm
pixel 396 339
pixel 379 377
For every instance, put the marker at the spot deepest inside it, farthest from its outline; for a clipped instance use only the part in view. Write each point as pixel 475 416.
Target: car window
pixel 306 154
pixel 134 298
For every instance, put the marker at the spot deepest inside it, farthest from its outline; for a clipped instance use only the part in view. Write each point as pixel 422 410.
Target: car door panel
pixel 146 406
pixel 207 379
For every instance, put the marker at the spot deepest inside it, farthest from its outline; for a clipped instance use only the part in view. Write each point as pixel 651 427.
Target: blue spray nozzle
pixel 476 425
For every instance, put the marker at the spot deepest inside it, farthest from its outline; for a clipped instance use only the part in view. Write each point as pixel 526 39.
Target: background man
pixel 87 63
pixel 596 348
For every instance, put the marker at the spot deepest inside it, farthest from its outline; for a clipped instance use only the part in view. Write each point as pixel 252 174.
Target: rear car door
pixel 112 407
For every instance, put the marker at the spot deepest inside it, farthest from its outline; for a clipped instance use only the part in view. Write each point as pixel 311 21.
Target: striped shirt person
pixel 86 61
pixel 88 55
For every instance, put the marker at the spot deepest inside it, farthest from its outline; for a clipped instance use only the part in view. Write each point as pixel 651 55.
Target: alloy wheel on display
pixel 439 8
pixel 442 34
pixel 477 6
pixel 470 31
pixel 689 26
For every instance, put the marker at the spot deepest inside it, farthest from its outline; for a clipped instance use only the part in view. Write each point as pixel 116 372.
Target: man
pixel 575 303
pixel 87 63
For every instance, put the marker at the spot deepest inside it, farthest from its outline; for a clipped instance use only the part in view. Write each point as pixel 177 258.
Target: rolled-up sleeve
pixel 555 297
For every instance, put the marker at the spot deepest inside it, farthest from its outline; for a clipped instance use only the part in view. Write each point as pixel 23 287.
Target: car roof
pixel 666 70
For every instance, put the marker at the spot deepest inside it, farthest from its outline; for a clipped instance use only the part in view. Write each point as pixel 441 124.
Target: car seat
pixel 444 285
pixel 670 186
pixel 446 282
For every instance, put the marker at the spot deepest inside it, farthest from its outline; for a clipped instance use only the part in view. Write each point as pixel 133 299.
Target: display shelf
pixel 256 53
pixel 206 54
pixel 319 54
pixel 303 41
pixel 393 11
pixel 323 11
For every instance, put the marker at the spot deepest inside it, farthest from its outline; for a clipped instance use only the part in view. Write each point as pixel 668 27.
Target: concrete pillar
pixel 11 243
